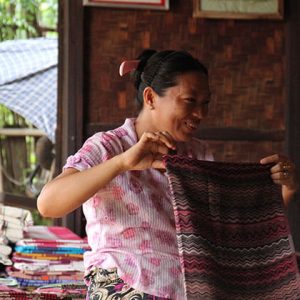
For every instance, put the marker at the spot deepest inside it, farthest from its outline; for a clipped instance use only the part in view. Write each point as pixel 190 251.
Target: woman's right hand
pixel 80 186
pixel 148 151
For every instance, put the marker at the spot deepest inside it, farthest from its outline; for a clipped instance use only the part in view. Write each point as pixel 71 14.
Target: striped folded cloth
pixel 233 235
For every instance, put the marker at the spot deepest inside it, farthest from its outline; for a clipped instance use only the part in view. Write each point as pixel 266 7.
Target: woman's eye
pixel 190 100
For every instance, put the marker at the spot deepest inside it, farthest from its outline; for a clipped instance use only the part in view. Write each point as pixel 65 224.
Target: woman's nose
pixel 201 111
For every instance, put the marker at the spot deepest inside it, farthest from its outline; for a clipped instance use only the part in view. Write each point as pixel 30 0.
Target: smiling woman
pixel 118 177
pixel 189 100
pixel 177 103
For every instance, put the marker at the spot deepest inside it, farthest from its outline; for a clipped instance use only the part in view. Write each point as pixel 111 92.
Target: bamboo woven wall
pixel 245 60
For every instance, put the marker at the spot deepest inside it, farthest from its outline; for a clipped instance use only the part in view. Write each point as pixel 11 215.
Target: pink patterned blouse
pixel 130 222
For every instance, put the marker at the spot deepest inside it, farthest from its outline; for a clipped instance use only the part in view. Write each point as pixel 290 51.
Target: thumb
pixel 158 162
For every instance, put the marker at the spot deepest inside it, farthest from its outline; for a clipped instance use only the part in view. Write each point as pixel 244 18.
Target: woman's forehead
pixel 194 76
pixel 193 81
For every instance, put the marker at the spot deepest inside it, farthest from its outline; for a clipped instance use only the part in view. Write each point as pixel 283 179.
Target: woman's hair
pixel 159 70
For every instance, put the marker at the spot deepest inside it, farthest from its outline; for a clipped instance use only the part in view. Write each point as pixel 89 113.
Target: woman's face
pixel 183 106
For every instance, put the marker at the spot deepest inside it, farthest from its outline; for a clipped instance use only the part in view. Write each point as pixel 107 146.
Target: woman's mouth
pixel 191 125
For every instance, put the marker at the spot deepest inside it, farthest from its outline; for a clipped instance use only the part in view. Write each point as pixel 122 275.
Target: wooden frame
pixel 145 4
pixel 292 109
pixel 239 9
pixel 70 95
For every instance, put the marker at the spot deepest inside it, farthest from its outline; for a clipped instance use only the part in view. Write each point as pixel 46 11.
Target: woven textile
pixel 28 80
pixel 233 236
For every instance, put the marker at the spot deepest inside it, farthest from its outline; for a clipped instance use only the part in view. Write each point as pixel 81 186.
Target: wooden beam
pixel 1 176
pixel 21 132
pixel 17 200
pixel 70 92
pixel 292 117
pixel 216 134
pixel 70 81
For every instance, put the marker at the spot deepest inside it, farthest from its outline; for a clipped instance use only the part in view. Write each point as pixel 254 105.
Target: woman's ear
pixel 149 96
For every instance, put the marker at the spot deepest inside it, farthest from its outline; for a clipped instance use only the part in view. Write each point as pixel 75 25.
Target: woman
pixel 118 178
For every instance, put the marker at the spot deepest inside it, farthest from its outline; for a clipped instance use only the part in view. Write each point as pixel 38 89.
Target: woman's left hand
pixel 284 174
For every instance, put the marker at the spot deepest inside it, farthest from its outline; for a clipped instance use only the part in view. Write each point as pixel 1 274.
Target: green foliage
pixel 39 220
pixel 11 119
pixel 20 19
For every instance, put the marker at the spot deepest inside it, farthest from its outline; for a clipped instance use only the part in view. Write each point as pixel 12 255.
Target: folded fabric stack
pixel 38 261
pixel 61 291
pixel 5 251
pixel 14 222
pixel 12 293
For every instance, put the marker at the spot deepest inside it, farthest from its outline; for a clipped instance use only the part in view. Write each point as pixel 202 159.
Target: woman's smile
pixel 181 109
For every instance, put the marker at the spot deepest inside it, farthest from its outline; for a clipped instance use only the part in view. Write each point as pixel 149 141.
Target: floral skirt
pixel 106 285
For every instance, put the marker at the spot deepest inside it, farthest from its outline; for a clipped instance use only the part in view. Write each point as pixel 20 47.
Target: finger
pixel 288 166
pixel 283 166
pixel 278 182
pixel 272 159
pixel 160 149
pixel 172 151
pixel 278 167
pixel 167 139
pixel 150 137
pixel 152 142
pixel 284 173
pixel 159 139
pixel 283 177
pixel 158 162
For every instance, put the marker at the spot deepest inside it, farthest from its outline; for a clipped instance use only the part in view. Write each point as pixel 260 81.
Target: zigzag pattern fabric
pixel 233 236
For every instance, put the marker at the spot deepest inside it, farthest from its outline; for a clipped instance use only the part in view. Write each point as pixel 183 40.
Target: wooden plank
pixel 6 163
pixel 240 134
pixel 216 134
pixel 22 132
pixel 17 200
pixel 292 117
pixel 18 155
pixel 1 176
pixel 70 93
pixel 14 160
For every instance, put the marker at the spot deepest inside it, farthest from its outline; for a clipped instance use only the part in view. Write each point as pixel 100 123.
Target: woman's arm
pixel 72 188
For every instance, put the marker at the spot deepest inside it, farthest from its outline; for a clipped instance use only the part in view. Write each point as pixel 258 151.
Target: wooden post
pixel 293 105
pixel 70 89
pixel 1 176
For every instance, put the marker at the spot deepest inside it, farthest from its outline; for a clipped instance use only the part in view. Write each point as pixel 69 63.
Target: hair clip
pixel 127 66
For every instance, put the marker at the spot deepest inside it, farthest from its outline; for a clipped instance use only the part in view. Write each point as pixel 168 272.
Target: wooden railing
pixel 14 150
pixel 21 132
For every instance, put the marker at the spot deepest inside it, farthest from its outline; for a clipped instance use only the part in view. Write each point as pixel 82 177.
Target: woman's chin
pixel 183 138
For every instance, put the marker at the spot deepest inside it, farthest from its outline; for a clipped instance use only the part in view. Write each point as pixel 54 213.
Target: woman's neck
pixel 143 123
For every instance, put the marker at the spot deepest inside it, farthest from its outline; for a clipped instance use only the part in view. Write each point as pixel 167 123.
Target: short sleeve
pixel 97 149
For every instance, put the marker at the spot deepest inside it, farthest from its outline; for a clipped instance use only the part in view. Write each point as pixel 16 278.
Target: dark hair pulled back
pixel 159 70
